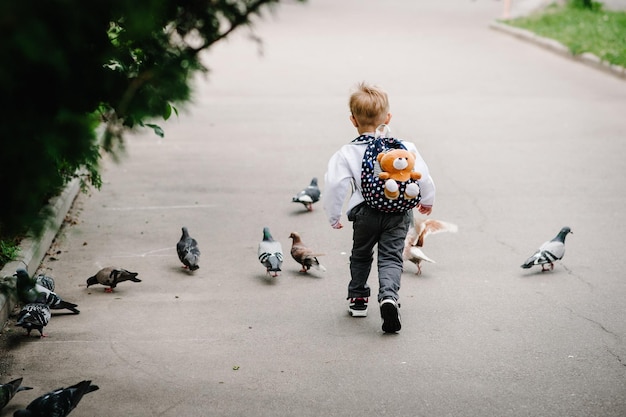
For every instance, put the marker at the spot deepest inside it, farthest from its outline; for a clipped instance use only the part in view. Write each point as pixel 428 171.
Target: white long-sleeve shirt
pixel 344 175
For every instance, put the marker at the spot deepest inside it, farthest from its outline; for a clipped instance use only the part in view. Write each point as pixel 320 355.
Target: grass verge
pixel 600 32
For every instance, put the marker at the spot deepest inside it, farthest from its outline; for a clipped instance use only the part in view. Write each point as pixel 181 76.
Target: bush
pixel 67 66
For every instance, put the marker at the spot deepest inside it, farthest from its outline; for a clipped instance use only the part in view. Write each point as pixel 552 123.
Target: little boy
pixel 369 108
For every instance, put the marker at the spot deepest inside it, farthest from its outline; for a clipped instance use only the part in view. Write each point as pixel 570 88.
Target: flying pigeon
pixel 111 276
pixel 188 251
pixel 551 251
pixel 303 255
pixel 57 403
pixel 34 316
pixel 8 390
pixel 311 194
pixel 415 239
pixel 425 227
pixel 28 291
pixel 270 253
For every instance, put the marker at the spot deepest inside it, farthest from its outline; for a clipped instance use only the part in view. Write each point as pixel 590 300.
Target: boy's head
pixel 369 106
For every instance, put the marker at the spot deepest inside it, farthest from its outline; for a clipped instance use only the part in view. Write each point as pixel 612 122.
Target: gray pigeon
pixel 34 316
pixel 111 276
pixel 28 291
pixel 270 253
pixel 311 194
pixel 550 252
pixel 304 255
pixel 57 403
pixel 188 251
pixel 8 390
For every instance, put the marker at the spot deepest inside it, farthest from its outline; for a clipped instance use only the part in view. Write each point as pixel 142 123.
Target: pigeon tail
pixel 65 305
pixel 274 263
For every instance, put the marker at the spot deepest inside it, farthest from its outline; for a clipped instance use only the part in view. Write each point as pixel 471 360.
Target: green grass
pixel 9 249
pixel 601 32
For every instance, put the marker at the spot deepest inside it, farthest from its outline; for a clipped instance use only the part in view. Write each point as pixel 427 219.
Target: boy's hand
pixel 424 209
pixel 337 225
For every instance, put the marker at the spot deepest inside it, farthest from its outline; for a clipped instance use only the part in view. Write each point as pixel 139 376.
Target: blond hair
pixel 369 104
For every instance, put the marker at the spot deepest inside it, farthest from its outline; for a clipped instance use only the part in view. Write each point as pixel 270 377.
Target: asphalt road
pixel 520 143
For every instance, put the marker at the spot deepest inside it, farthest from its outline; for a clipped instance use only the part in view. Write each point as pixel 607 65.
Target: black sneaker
pixel 390 313
pixel 358 307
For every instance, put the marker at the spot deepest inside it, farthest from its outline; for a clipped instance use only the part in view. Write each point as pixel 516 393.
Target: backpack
pixel 388 182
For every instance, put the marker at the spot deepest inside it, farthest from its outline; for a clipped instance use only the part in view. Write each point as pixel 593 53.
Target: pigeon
pixel 8 390
pixel 415 239
pixel 417 256
pixel 28 291
pixel 188 251
pixel 311 194
pixel 111 276
pixel 270 253
pixel 45 281
pixel 57 403
pixel 34 316
pixel 303 255
pixel 551 251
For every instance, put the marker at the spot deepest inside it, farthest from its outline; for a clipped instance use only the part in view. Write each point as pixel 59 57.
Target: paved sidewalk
pixel 520 142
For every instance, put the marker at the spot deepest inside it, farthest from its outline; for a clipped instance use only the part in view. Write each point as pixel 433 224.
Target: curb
pixel 32 251
pixel 586 58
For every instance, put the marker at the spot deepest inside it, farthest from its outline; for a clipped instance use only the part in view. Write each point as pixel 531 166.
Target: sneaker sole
pixel 358 313
pixel 391 318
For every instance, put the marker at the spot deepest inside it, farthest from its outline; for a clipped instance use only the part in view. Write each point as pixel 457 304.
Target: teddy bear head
pixel 397 164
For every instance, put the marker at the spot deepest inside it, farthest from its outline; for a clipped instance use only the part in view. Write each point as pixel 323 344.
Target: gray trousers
pixel 388 230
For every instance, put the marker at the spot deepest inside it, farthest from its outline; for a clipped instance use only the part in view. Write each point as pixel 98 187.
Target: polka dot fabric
pixel 372 186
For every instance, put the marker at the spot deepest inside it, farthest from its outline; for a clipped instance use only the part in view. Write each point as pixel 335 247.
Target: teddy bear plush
pixel 397 166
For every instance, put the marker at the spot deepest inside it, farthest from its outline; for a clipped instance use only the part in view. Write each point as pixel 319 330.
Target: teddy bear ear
pixel 380 156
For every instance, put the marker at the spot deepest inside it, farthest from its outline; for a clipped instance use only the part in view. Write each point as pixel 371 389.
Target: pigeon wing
pixel 431 227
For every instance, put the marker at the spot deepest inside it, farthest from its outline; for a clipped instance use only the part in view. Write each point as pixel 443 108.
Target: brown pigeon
pixel 111 276
pixel 303 255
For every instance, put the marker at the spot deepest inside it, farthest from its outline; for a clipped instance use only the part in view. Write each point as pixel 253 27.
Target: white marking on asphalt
pixel 193 206
pixel 149 253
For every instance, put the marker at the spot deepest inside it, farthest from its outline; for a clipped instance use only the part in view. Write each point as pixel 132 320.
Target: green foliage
pixel 9 250
pixel 69 66
pixel 601 32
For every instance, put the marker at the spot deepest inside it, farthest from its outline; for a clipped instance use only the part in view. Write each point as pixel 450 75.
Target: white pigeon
pixel 417 256
pixel 415 239
pixel 311 194
pixel 188 251
pixel 550 252
pixel 270 253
